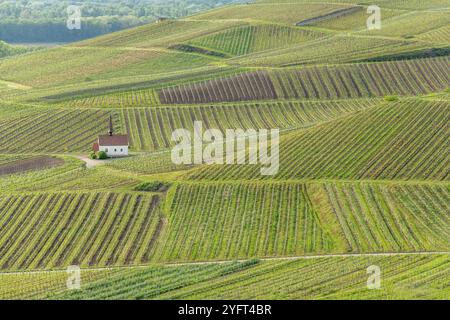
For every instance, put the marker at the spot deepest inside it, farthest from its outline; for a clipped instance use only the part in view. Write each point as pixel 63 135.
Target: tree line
pixel 46 21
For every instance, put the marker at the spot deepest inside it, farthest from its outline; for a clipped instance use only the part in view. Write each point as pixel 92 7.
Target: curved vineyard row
pixel 88 229
pixel 245 86
pixel 151 128
pixel 41 285
pixel 413 77
pixel 246 39
pixel 403 277
pixel 29 164
pixel 440 35
pixel 148 164
pixel 218 221
pixel 37 179
pixel 329 50
pixel 134 98
pixel 71 130
pixel 405 140
pixel 224 222
pixel 162 34
pixel 327 278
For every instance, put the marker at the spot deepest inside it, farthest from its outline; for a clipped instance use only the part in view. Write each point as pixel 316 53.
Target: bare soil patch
pixel 36 163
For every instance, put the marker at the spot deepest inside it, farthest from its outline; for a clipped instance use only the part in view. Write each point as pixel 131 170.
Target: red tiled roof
pixel 114 140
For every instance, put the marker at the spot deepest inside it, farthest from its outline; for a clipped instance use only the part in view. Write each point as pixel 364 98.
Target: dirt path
pixel 90 163
pixel 343 255
pixel 14 85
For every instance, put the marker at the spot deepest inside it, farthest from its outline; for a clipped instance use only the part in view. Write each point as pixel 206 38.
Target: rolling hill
pixel 364 167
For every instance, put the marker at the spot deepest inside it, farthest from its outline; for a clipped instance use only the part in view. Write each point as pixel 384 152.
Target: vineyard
pixel 28 164
pixel 248 39
pixel 53 130
pixel 88 64
pixel 413 24
pixel 74 129
pixel 148 164
pixel 377 218
pixel 414 77
pixel 328 278
pixel 287 13
pixel 288 219
pixel 245 86
pixel 349 81
pixel 317 278
pixel 407 140
pixel 160 34
pixel 389 4
pixel 79 179
pixel 37 179
pixel 331 50
pixel 226 222
pixel 73 176
pixel 257 220
pixel 440 35
pixel 60 229
pixel 364 157
pixel 40 285
pixel 351 20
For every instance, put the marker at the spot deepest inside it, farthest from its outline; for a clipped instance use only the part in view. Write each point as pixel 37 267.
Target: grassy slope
pixel 275 219
pixel 405 140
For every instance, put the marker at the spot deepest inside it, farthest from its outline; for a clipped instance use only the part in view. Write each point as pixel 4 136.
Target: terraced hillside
pixel 53 130
pixel 89 229
pixel 291 219
pixel 349 81
pixel 74 129
pixel 318 278
pixel 14 165
pixel 406 140
pixel 248 39
pixel 364 162
pixel 257 220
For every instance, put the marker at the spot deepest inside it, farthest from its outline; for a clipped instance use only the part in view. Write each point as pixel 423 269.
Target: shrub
pixel 391 98
pixel 153 186
pixel 92 155
pixel 102 155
